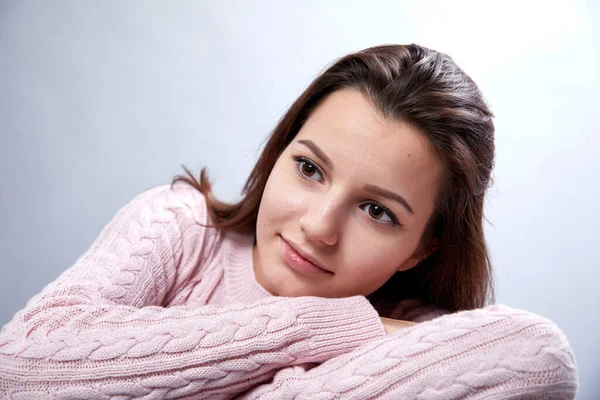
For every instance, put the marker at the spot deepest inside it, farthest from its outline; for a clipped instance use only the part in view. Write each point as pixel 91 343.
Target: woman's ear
pixel 419 256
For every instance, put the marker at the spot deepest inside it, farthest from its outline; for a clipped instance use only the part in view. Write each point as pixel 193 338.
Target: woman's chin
pixel 295 289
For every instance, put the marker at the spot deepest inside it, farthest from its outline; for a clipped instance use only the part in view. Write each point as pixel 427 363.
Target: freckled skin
pixel 325 215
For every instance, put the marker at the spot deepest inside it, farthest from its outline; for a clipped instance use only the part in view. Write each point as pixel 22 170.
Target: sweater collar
pixel 241 283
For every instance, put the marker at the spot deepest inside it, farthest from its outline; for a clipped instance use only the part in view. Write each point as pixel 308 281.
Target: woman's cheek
pixel 377 258
pixel 296 191
pixel 295 198
pixel 284 198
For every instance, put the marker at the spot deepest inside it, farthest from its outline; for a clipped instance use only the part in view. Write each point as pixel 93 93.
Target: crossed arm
pixel 495 352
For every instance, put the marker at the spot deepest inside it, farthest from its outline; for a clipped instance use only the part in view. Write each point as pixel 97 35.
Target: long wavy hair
pixel 426 89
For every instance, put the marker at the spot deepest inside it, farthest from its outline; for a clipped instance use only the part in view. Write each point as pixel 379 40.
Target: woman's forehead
pixel 347 126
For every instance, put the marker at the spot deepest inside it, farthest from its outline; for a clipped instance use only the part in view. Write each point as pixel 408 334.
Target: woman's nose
pixel 321 222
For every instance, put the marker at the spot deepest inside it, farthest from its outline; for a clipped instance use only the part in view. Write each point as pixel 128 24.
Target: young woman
pixel 365 207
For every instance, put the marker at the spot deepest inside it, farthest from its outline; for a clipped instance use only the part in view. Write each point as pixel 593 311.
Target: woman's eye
pixel 308 169
pixel 379 213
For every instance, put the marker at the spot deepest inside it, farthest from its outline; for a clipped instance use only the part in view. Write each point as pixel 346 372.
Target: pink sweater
pixel 162 308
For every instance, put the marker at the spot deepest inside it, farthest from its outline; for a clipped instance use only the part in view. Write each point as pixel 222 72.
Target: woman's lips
pixel 297 262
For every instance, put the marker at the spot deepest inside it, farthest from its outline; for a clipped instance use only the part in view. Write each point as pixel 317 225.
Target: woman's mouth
pixel 298 262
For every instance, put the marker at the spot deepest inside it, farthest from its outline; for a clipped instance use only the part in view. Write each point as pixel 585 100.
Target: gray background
pixel 100 100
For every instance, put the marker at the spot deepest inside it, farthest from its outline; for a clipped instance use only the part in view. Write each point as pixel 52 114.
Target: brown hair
pixel 426 89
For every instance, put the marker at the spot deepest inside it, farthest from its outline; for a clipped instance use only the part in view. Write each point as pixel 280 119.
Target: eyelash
pixel 301 159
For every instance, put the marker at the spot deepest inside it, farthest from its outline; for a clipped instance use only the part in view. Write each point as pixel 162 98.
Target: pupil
pixel 309 169
pixel 376 211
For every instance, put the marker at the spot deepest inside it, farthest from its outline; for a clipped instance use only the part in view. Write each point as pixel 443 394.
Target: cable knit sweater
pixel 161 307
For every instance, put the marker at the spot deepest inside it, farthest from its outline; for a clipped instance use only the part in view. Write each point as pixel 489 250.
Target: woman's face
pixel 346 203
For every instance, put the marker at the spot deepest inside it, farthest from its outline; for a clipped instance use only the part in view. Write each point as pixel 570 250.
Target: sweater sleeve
pixel 491 353
pixel 102 330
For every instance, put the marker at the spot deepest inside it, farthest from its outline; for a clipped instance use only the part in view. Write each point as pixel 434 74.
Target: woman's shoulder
pixel 180 198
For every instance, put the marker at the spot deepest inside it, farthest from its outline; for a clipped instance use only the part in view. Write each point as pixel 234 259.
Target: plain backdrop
pixel 100 100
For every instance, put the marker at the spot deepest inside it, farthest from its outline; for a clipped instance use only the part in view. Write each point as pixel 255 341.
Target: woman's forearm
pixel 496 352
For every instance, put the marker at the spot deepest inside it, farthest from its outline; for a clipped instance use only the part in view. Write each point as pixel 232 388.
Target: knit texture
pixel 161 307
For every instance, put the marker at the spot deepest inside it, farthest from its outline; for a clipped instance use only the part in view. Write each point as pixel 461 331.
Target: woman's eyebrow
pixel 318 152
pixel 390 195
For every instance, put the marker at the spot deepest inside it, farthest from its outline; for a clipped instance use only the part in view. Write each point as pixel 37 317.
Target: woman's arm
pixel 491 353
pixel 101 330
